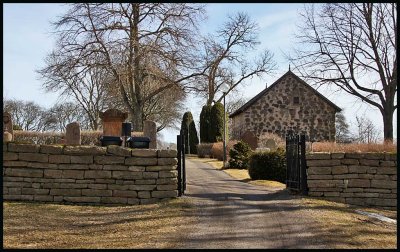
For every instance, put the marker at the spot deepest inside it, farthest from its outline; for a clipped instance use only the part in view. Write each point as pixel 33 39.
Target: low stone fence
pixel 367 179
pixel 88 174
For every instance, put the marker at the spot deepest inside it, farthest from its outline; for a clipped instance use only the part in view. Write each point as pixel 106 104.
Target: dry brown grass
pixel 341 147
pixel 34 225
pixel 346 229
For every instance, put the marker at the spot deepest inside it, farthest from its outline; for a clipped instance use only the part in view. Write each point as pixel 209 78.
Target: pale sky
pixel 27 39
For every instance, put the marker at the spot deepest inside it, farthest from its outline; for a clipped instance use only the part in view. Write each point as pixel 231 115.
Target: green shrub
pixel 217 123
pixel 240 155
pixel 205 124
pixel 204 150
pixel 270 165
pixel 191 138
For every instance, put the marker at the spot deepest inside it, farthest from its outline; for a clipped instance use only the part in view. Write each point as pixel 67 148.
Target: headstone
pixel 150 130
pixel 249 138
pixel 7 137
pixel 7 125
pixel 112 122
pixel 271 144
pixel 73 134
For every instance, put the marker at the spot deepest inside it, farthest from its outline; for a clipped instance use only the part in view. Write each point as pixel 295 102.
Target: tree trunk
pixel 137 118
pixel 387 115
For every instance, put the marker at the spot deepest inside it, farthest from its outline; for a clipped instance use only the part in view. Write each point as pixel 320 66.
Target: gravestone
pixel 7 127
pixel 112 120
pixel 7 137
pixel 150 130
pixel 73 134
pixel 271 144
pixel 249 138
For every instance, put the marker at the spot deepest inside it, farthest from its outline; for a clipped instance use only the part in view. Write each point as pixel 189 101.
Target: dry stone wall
pixel 88 174
pixel 366 179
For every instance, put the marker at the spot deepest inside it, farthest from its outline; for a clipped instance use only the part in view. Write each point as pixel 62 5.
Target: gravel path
pixel 234 214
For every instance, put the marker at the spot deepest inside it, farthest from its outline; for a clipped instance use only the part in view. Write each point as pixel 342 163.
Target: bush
pixel 188 129
pixel 269 165
pixel 91 137
pixel 217 123
pixel 34 137
pixel 87 137
pixel 240 155
pixel 217 151
pixel 353 147
pixel 205 124
pixel 204 150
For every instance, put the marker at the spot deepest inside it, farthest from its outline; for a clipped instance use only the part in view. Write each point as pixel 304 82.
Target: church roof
pixel 255 98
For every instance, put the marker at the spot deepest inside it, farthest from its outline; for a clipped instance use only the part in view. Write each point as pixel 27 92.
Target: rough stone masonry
pixel 366 179
pixel 88 174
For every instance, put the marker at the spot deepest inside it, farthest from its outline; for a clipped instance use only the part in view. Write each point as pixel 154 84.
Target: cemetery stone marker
pixel 249 138
pixel 7 123
pixel 112 122
pixel 73 134
pixel 150 130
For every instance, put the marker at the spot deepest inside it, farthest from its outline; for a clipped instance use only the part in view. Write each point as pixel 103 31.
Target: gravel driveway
pixel 233 214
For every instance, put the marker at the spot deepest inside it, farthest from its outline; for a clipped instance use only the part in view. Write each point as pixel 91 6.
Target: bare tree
pixel 224 59
pixel 366 130
pixel 58 116
pixel 342 128
pixel 130 39
pixel 234 104
pixel 87 84
pixel 27 115
pixel 353 46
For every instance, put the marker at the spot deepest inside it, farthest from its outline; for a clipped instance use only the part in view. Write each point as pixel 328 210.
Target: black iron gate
pixel 296 175
pixel 180 139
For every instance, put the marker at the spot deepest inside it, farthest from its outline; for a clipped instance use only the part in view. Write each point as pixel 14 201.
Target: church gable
pixel 288 104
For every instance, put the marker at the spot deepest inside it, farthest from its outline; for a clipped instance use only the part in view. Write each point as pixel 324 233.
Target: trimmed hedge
pixel 205 117
pixel 87 137
pixel 216 130
pixel 270 165
pixel 189 126
pixel 204 150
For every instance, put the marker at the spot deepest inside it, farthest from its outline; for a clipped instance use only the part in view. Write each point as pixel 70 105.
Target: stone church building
pixel 289 104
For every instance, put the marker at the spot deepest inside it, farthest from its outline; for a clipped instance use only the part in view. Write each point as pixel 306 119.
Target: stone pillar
pixel 112 120
pixel 150 130
pixel 7 127
pixel 73 134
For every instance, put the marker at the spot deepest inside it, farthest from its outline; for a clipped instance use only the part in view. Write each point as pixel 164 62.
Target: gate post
pixel 183 165
pixel 303 166
pixel 179 165
pixel 287 160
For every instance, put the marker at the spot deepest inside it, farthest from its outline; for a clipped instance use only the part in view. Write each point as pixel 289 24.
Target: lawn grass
pixel 38 225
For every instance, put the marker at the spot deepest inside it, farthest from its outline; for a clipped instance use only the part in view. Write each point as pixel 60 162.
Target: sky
pixel 27 39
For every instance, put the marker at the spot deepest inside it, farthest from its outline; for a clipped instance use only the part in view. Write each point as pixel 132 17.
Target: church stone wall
pixel 277 112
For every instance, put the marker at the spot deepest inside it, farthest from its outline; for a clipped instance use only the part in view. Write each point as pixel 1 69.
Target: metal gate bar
pixel 179 165
pixel 296 176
